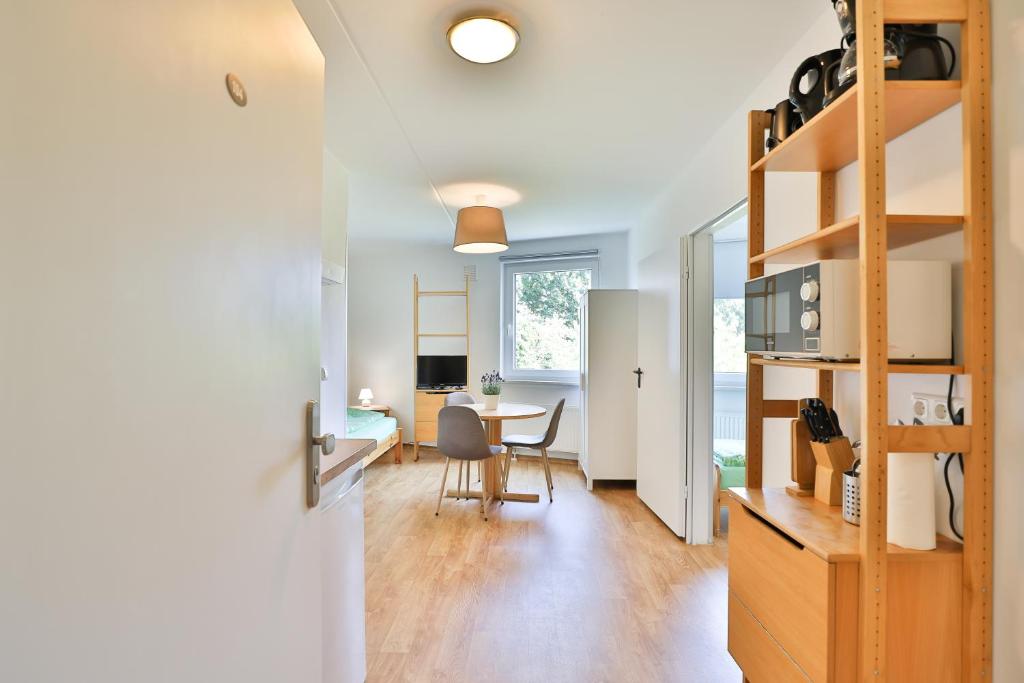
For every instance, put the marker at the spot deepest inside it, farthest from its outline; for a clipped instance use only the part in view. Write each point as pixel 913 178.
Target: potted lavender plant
pixel 492 389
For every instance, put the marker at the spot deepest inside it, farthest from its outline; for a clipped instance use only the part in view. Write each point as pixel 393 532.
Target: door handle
pixel 325 442
pixel 639 376
pixel 316 444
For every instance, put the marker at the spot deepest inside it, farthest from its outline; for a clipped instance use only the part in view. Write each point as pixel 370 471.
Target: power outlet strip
pixel 931 409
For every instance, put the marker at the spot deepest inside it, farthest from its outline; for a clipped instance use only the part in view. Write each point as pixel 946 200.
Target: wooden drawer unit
pixel 426 431
pixel 786 586
pixel 794 592
pixel 428 405
pixel 756 651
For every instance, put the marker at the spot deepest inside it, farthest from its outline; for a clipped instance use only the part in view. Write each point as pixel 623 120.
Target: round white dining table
pixel 493 420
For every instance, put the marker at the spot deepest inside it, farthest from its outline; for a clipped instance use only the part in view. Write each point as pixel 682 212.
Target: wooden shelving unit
pixel 427 404
pixel 856 128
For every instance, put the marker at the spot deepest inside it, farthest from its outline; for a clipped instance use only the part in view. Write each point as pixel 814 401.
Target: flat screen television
pixel 438 372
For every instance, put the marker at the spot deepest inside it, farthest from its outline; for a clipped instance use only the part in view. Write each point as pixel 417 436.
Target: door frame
pixel 696 299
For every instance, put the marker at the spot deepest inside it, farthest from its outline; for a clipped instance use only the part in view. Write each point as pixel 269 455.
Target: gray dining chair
pixel 459 398
pixel 461 436
pixel 462 398
pixel 538 442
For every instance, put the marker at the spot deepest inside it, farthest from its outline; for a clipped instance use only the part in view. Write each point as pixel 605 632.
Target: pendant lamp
pixel 480 230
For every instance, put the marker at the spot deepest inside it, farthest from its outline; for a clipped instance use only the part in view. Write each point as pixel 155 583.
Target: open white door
pixel 697 290
pixel 661 471
pixel 159 304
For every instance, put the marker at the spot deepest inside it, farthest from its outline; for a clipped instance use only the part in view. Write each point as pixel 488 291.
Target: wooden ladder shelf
pixel 427 404
pixel 856 128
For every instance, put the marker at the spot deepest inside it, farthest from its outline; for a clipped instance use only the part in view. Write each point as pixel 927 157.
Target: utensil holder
pixel 833 458
pixel 851 494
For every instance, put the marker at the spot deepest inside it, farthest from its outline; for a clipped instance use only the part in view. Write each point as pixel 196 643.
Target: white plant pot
pixel 491 401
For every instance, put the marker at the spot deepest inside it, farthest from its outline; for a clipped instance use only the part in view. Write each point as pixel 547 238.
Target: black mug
pixel 813 101
pixel 785 122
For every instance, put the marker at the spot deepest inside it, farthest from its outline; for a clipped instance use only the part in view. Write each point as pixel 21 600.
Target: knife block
pixel 833 458
pixel 802 461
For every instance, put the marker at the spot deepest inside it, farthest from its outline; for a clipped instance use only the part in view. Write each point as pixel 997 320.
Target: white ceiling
pixel 588 122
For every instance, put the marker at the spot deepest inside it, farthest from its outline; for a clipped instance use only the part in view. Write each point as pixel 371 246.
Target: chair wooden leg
pixel 547 473
pixel 458 487
pixel 483 499
pixel 508 468
pixel 444 482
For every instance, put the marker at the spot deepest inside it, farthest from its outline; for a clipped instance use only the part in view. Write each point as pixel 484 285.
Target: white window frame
pixel 536 264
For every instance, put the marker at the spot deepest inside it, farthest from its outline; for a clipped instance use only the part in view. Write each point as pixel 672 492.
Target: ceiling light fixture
pixel 480 230
pixel 483 40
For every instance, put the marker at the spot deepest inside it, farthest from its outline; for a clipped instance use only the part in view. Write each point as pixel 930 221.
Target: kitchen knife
pixel 836 429
pixel 812 424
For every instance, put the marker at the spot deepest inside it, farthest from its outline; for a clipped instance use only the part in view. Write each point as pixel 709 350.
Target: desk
pixel 492 420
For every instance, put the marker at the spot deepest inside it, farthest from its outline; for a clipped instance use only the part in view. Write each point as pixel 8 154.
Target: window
pixel 729 353
pixel 540 317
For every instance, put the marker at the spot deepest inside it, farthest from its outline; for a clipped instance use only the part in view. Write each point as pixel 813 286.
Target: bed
pixel 730 470
pixel 368 424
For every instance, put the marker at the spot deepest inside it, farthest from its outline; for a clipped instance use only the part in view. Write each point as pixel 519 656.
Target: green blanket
pixel 361 419
pixel 732 462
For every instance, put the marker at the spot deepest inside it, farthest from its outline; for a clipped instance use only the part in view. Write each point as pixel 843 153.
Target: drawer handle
pixel 779 532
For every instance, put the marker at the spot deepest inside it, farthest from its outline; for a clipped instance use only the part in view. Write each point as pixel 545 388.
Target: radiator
pixel 568 438
pixel 730 426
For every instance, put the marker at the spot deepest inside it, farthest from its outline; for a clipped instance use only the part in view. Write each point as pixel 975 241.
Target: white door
pixel 661 474
pixel 584 453
pixel 159 334
pixel 697 289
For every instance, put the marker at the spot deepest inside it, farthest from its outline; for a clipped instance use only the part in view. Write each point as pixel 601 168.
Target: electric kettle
pixel 807 89
pixel 923 58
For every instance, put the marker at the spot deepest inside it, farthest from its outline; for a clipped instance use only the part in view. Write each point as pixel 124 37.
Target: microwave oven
pixel 813 312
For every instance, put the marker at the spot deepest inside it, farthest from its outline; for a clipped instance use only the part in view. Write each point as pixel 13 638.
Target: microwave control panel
pixel 810 298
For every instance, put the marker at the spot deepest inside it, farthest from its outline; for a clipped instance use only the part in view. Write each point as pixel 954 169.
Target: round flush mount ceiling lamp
pixel 483 40
pixel 480 230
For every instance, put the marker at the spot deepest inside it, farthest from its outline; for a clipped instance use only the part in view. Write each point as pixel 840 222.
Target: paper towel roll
pixel 911 510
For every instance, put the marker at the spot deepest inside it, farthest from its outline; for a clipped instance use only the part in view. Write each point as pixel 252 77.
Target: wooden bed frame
pixel 391 443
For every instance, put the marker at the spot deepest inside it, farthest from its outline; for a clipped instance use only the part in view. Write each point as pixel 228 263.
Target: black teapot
pixel 812 69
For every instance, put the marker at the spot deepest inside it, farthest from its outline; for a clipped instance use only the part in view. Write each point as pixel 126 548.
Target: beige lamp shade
pixel 480 230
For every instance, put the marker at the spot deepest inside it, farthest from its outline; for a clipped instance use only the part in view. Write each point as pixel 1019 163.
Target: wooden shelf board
pixel 842 240
pixel 929 439
pixel 829 141
pixel 924 11
pixel 820 528
pixel 894 368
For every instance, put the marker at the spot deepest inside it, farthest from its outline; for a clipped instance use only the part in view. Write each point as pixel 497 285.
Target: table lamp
pixel 366 396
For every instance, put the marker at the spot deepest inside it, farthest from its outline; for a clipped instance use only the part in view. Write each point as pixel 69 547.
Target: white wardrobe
pixel 608 384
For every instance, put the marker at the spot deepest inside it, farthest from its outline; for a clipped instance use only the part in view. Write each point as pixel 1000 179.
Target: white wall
pixel 380 315
pixel 924 177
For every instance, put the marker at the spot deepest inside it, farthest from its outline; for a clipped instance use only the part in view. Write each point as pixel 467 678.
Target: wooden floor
pixel 590 588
